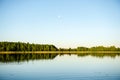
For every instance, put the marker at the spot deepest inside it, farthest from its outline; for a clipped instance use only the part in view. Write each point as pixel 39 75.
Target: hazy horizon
pixel 63 23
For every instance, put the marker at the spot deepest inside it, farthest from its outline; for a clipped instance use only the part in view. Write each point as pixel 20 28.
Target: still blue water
pixel 63 67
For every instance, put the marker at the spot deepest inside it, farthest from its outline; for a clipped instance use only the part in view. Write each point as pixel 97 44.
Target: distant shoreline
pixel 39 52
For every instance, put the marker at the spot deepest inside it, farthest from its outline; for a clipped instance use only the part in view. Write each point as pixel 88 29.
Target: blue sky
pixel 64 23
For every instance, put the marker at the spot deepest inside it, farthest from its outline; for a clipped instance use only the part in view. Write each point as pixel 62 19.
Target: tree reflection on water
pixel 5 58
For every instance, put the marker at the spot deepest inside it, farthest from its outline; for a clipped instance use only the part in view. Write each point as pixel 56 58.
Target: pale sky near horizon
pixel 64 23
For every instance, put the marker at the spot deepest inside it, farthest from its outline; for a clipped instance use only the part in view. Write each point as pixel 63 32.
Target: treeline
pixel 19 46
pixel 97 48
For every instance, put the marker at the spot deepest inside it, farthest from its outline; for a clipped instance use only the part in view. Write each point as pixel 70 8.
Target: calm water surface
pixel 60 67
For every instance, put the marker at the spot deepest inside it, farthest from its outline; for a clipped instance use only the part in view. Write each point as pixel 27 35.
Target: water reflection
pixel 5 58
pixel 25 57
pixel 59 66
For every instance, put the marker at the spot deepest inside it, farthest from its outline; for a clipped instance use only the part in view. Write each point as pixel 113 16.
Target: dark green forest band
pixel 20 46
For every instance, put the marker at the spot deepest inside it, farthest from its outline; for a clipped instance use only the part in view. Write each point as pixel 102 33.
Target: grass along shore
pixel 20 52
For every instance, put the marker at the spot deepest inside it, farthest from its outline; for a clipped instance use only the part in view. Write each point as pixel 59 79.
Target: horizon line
pixel 59 47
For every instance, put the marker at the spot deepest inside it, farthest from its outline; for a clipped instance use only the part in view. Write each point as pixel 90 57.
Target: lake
pixel 59 66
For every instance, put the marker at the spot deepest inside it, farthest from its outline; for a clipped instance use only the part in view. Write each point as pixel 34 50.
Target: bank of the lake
pixel 75 52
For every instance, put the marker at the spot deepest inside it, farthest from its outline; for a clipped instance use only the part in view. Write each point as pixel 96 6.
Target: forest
pixel 97 48
pixel 20 46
